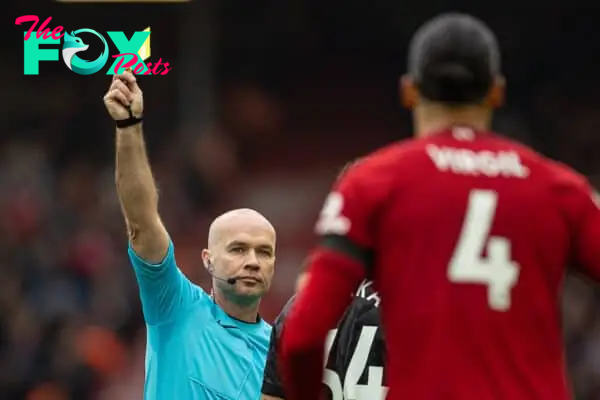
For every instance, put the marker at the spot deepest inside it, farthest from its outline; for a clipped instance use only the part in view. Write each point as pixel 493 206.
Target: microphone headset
pixel 211 270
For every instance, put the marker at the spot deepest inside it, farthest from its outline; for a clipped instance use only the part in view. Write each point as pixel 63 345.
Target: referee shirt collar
pixel 227 321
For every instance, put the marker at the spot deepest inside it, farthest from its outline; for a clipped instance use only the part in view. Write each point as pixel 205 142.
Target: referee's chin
pixel 242 293
pixel 254 289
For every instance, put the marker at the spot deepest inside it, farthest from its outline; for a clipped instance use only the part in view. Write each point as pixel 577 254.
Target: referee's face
pixel 246 253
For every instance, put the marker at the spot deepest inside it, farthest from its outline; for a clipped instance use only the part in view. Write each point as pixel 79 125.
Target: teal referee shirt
pixel 194 350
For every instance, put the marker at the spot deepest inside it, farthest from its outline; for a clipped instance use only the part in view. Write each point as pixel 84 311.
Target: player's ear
pixel 206 258
pixel 409 95
pixel 495 98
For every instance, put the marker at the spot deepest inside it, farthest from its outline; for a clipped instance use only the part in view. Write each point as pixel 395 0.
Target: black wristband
pixel 124 123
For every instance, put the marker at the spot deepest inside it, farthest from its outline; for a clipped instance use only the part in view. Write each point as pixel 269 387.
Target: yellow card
pixel 145 49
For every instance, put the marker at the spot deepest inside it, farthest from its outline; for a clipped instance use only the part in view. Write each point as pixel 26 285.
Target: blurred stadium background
pixel 265 102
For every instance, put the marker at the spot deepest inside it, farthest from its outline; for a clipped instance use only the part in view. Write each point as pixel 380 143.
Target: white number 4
pixel 467 265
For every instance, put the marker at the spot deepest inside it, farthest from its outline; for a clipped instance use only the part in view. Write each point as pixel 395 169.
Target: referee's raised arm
pixel 164 289
pixel 135 184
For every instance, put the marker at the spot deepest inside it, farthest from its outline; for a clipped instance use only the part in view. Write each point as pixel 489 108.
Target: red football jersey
pixel 471 234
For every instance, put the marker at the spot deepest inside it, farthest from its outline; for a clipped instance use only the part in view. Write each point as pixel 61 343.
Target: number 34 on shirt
pixel 351 390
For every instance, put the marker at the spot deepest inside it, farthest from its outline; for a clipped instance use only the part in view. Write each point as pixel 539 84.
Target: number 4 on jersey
pixel 497 271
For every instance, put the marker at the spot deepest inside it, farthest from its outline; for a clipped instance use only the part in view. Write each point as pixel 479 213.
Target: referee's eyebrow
pixel 239 243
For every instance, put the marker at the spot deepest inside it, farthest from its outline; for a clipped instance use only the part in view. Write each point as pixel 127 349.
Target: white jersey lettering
pixel 505 164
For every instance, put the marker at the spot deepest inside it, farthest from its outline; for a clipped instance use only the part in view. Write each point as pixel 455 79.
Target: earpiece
pixel 211 269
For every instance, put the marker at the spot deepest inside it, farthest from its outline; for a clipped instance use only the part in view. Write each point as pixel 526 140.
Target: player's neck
pixel 431 118
pixel 243 312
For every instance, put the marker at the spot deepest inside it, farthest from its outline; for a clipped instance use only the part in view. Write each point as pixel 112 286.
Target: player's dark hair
pixel 453 59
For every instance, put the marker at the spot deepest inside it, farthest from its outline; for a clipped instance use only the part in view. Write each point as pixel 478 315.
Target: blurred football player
pixel 465 233
pixel 354 351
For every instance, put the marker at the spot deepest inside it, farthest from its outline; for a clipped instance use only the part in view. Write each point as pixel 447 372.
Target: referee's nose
pixel 252 263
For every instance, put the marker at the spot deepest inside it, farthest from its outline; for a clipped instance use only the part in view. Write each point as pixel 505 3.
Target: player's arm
pixel 338 266
pixel 272 388
pixel 163 288
pixel 583 207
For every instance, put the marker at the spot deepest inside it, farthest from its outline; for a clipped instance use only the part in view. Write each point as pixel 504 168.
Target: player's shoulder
pixel 567 177
pixel 383 157
pixel 563 175
pixel 378 174
pixel 526 152
pixel 557 172
pixel 280 320
pixel 366 290
pixel 561 178
pixel 378 166
pixel 386 160
pixel 364 306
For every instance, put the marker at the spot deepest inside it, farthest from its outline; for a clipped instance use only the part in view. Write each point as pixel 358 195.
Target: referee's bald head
pixel 233 219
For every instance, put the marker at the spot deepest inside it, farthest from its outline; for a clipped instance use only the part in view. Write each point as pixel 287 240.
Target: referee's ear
pixel 206 258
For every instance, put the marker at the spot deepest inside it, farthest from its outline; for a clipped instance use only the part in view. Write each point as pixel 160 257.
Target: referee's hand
pixel 123 95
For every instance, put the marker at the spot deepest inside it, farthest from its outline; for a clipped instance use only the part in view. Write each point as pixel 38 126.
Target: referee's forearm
pixel 135 184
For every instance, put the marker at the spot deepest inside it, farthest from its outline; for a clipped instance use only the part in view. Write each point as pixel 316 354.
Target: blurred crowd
pixel 70 319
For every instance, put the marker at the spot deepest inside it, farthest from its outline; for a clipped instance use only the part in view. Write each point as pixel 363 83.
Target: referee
pixel 199 347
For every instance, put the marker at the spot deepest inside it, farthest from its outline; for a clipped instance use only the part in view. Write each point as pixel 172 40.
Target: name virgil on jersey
pixel 475 163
